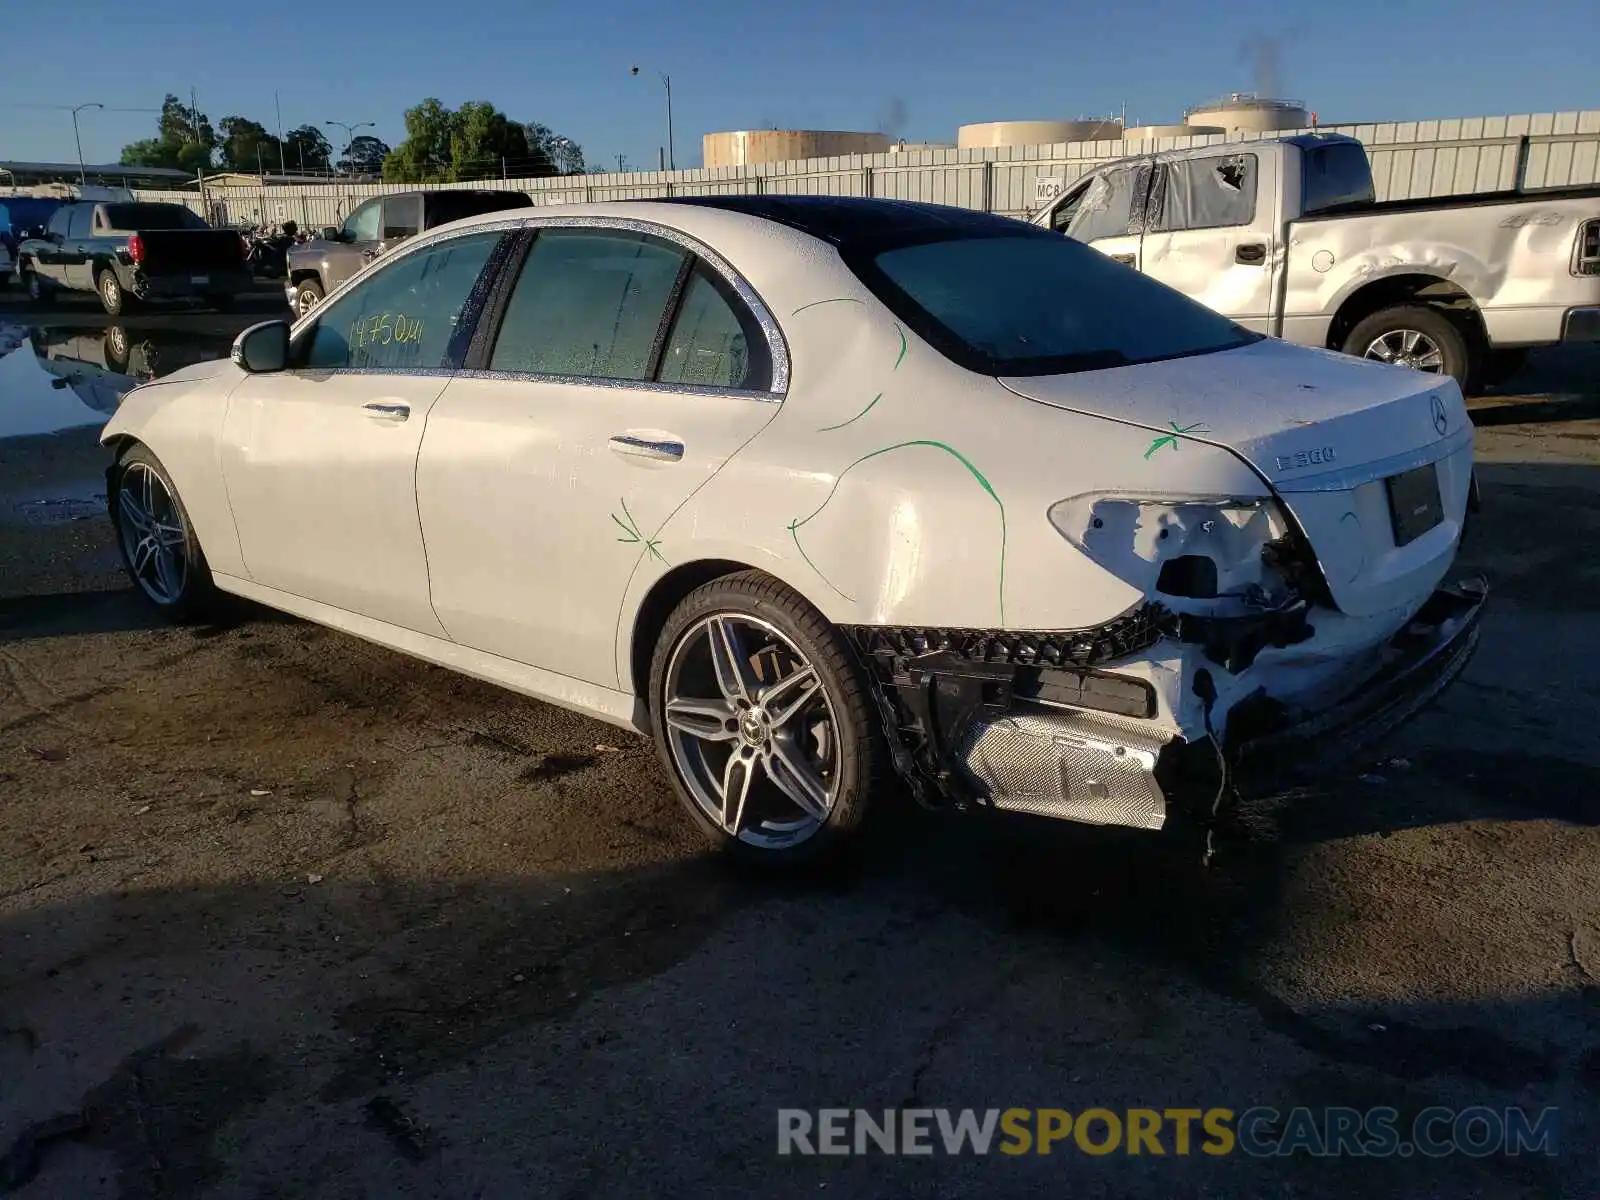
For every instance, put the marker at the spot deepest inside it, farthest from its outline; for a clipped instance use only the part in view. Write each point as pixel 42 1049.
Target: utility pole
pixel 350 133
pixel 277 109
pixel 83 178
pixel 666 82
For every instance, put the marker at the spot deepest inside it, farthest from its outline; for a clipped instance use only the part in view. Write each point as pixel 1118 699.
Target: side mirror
pixel 262 348
pixel 330 233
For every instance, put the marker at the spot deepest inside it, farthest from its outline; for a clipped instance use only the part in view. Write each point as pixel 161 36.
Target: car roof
pixel 843 220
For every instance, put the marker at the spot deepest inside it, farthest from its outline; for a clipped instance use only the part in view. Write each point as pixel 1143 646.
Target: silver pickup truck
pixel 1285 237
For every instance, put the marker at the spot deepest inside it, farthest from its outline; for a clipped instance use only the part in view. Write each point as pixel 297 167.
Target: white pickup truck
pixel 1285 237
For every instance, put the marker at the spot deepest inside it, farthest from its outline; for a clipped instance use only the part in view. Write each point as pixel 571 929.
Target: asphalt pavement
pixel 284 914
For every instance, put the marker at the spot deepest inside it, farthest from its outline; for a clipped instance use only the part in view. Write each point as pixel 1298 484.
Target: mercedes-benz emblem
pixel 1441 422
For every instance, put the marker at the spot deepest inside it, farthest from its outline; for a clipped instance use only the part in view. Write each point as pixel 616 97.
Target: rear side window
pixel 715 341
pixel 589 303
pixel 60 221
pixel 81 216
pixel 1335 177
pixel 454 205
pixel 402 217
pixel 151 216
pixel 1205 193
pixel 1037 304
pixel 403 318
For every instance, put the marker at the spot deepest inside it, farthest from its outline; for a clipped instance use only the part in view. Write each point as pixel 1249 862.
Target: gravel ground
pixel 283 914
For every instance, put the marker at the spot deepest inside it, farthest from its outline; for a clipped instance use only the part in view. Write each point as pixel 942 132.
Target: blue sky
pixel 924 66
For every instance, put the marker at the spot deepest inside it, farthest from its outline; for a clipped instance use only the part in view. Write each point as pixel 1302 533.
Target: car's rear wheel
pixel 157 542
pixel 763 721
pixel 1419 337
pixel 109 288
pixel 307 295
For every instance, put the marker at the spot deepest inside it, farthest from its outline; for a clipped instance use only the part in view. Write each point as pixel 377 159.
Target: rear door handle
pixel 389 412
pixel 1251 253
pixel 1125 259
pixel 663 449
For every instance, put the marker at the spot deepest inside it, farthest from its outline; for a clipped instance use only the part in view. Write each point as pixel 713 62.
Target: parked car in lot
pixel 808 488
pixel 1284 236
pixel 124 253
pixel 21 217
pixel 320 265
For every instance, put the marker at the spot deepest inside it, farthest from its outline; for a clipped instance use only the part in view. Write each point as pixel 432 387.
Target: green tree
pixel 486 143
pixel 184 140
pixel 364 156
pixel 425 155
pixel 560 154
pixel 247 146
pixel 306 149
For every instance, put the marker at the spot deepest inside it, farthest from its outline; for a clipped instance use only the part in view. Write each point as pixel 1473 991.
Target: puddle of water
pixel 59 377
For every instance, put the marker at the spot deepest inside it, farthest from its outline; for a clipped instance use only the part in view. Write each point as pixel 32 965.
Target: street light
pixel 350 133
pixel 83 178
pixel 666 82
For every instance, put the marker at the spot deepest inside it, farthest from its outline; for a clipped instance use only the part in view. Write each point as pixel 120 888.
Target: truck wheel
pixel 307 295
pixel 763 721
pixel 1419 337
pixel 109 288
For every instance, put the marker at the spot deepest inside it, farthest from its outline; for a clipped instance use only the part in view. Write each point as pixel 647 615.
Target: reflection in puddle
pixel 64 377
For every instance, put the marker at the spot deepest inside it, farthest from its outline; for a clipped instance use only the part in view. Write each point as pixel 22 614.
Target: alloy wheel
pixel 751 730
pixel 110 290
pixel 153 535
pixel 1407 348
pixel 304 302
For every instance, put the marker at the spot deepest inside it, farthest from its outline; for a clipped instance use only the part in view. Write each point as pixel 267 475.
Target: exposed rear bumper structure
pixel 182 286
pixel 968 733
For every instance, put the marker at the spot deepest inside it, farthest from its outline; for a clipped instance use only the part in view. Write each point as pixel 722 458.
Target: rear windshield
pixel 151 216
pixel 452 206
pixel 1039 304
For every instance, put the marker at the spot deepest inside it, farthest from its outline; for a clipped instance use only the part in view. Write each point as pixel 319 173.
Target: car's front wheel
pixel 307 295
pixel 763 720
pixel 158 544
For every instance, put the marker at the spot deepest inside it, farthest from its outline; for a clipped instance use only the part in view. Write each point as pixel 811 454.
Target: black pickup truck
pixel 129 252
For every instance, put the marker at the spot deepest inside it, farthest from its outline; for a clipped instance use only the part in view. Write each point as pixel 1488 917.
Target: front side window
pixel 1037 304
pixel 589 303
pixel 1206 193
pixel 405 316
pixel 362 225
pixel 1105 208
pixel 402 217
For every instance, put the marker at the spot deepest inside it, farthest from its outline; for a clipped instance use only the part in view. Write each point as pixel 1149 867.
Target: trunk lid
pixel 1327 432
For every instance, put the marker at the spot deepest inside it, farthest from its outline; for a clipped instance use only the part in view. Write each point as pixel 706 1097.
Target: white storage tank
pixel 741 147
pixel 986 134
pixel 1140 133
pixel 1245 112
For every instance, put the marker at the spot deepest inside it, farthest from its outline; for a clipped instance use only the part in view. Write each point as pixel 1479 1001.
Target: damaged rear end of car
pixel 1279 561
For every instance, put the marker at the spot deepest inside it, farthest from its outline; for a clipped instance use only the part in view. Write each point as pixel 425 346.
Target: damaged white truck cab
pixel 1284 236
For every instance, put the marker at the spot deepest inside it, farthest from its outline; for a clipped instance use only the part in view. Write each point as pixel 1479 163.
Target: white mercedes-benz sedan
pixel 816 489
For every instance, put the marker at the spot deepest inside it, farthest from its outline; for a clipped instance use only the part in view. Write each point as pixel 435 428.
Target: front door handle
pixel 1252 254
pixel 1125 259
pixel 664 449
pixel 389 412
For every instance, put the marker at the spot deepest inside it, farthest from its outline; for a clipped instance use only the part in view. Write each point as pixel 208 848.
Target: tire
pixel 118 348
pixel 830 731
pixel 307 295
pixel 109 288
pixel 1406 331
pixel 174 577
pixel 221 304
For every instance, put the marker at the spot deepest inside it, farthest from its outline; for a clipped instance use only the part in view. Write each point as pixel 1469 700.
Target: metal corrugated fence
pixel 1409 159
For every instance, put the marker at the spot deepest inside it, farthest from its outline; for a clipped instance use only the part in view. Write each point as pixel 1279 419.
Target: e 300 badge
pixel 1317 457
